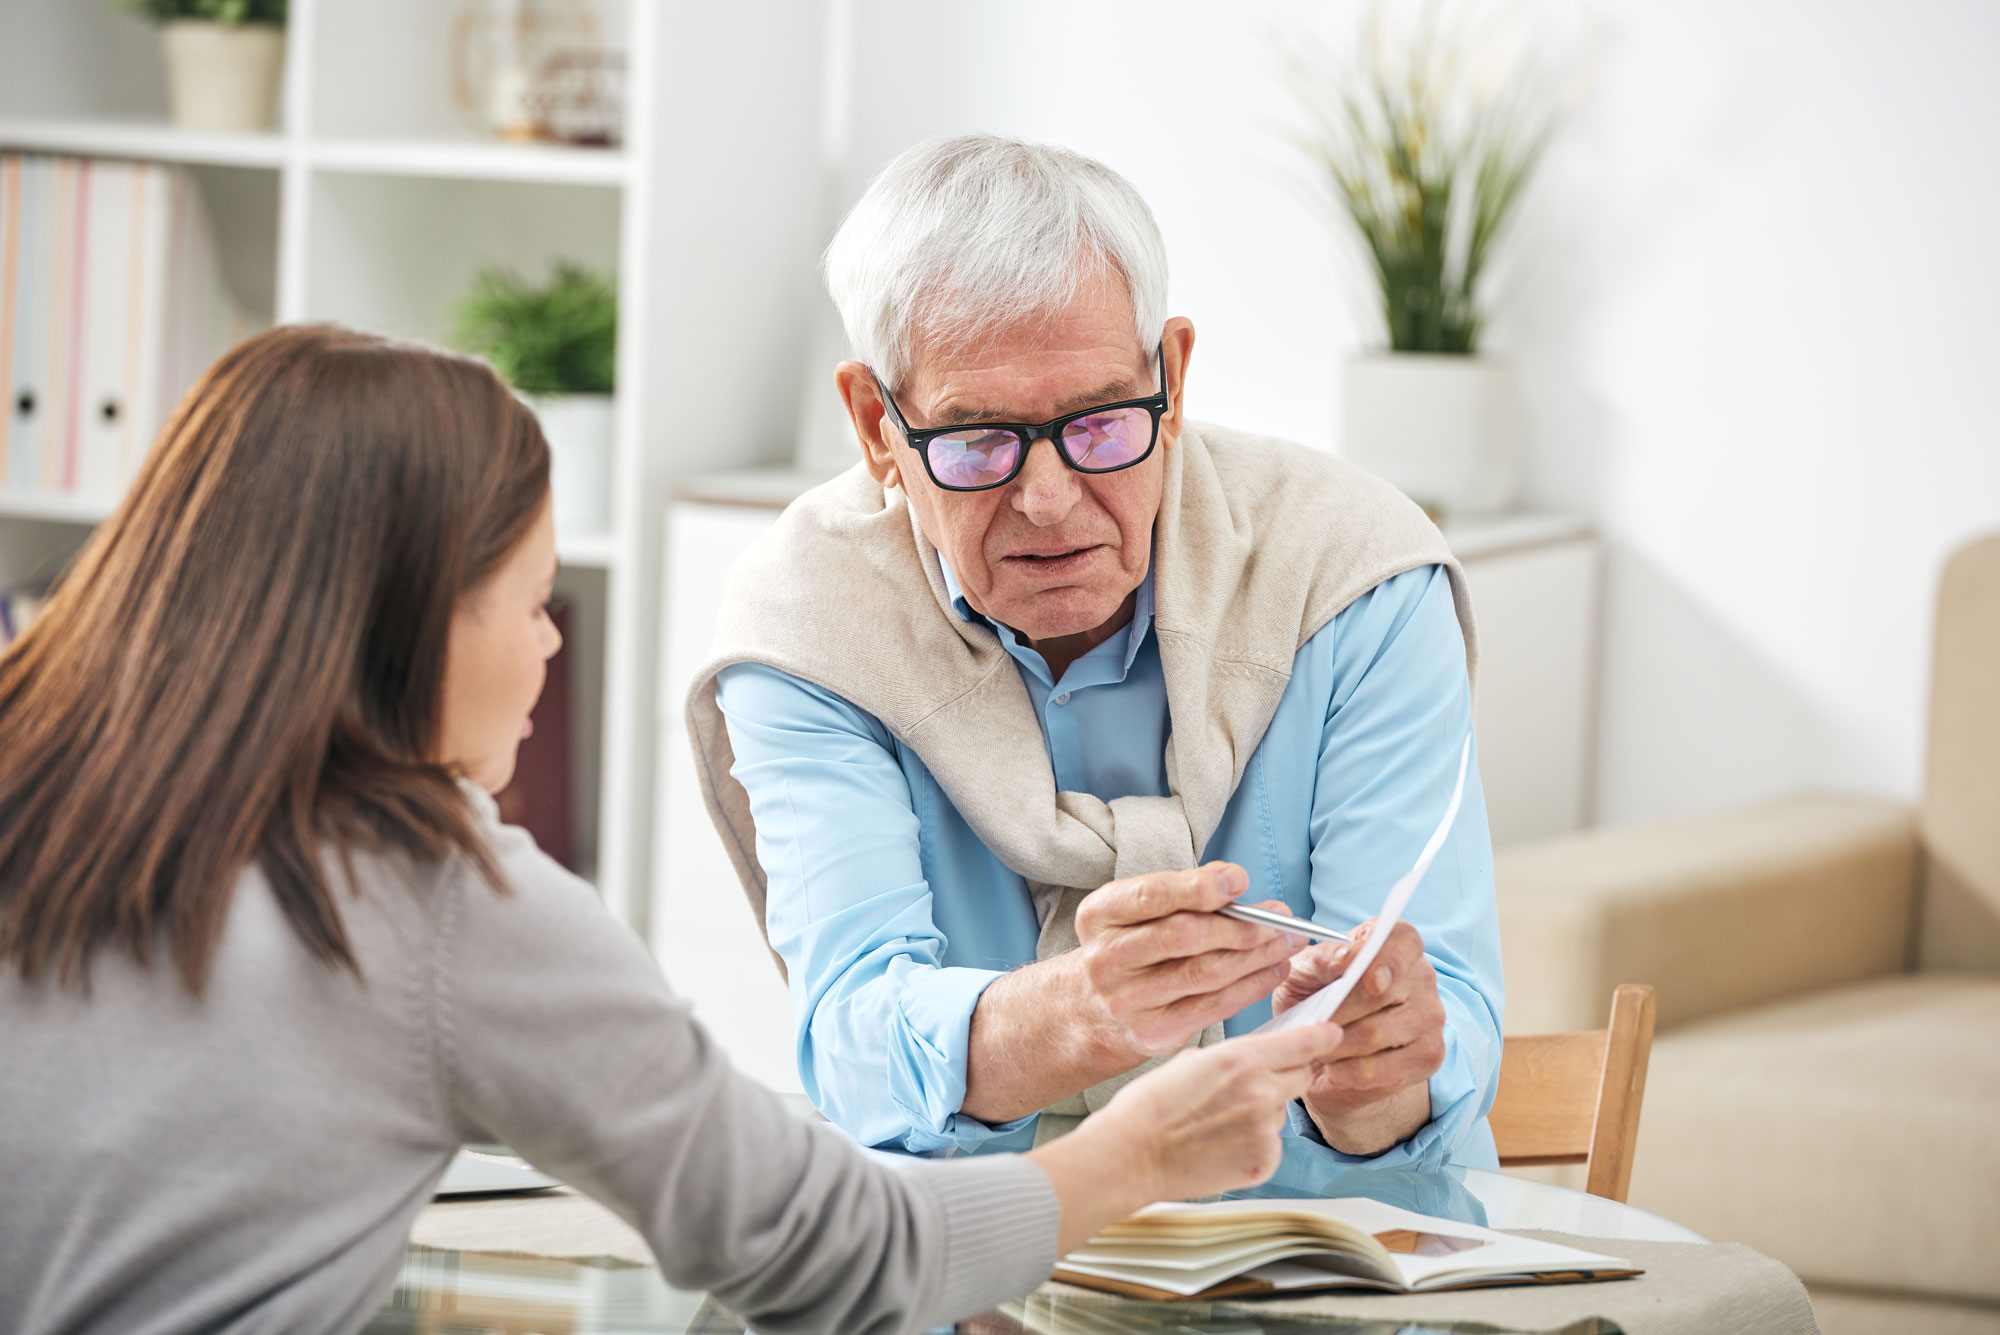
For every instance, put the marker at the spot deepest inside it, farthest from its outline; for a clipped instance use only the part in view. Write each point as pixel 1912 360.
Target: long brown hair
pixel 246 661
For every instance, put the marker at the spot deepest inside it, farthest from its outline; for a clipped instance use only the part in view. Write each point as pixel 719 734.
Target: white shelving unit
pixel 375 204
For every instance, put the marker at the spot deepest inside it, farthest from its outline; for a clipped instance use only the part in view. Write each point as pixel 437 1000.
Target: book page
pixel 1321 1005
pixel 1185 1250
pixel 1189 1280
pixel 1429 1252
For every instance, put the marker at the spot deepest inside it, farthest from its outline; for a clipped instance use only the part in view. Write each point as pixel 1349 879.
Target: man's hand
pixel 1163 965
pixel 1155 965
pixel 1376 1091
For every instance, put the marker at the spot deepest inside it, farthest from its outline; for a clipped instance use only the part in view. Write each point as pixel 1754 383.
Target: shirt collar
pixel 1134 632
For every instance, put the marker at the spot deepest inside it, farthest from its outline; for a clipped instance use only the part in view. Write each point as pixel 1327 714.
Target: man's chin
pixel 1056 613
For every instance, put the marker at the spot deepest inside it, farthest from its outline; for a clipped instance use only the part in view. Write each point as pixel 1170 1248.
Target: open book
pixel 1227 1249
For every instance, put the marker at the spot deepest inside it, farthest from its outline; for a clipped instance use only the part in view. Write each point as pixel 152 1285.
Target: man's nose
pixel 1046 489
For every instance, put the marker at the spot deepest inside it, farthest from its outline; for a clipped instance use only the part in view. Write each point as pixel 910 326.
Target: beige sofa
pixel 1825 1083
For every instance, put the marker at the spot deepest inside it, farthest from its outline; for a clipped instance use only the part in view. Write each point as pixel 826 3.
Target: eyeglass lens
pixel 983 456
pixel 975 457
pixel 1103 441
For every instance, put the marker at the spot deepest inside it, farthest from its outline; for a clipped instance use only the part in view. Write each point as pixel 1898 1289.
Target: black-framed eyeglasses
pixel 982 455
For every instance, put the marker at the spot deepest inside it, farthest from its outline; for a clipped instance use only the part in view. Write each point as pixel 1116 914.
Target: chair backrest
pixel 1575 1098
pixel 1960 824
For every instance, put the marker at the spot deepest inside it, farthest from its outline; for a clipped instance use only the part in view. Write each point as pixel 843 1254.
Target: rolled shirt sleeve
pixel 1399 708
pixel 882 1026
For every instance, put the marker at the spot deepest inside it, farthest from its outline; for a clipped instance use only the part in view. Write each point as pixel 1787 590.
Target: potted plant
pixel 1425 150
pixel 223 60
pixel 557 344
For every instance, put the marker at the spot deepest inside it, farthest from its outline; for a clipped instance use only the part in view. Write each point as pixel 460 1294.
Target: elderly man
pixel 981 704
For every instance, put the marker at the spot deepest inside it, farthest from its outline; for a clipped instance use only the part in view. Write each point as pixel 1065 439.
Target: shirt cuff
pixel 928 1057
pixel 1460 1094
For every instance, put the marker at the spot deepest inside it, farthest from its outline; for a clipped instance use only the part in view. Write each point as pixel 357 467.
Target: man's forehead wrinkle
pixel 966 411
pixel 1005 380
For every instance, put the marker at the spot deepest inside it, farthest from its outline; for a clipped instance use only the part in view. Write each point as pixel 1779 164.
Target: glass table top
pixel 469 1293
pixel 464 1293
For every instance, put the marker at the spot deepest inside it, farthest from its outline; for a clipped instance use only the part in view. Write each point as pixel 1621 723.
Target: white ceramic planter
pixel 1445 429
pixel 579 428
pixel 222 76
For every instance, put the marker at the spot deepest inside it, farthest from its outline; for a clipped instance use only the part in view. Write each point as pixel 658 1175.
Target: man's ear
pixel 1177 346
pixel 855 384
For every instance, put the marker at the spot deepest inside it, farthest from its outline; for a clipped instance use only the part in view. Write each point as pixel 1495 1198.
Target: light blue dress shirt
pixel 892 917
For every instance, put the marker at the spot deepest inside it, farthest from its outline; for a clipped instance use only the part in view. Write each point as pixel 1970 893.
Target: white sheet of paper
pixel 1320 1006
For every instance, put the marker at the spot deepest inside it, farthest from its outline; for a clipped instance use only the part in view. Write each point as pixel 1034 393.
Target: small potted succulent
pixel 556 343
pixel 223 60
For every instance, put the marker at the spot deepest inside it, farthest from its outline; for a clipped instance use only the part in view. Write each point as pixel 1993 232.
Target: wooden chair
pixel 1574 1098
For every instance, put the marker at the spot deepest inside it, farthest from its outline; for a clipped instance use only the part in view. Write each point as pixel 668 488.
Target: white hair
pixel 970 234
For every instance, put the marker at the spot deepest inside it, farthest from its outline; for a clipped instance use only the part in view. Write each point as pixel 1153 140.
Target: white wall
pixel 1755 315
pixel 1753 302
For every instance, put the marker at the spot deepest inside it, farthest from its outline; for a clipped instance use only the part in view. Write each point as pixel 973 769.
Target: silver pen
pixel 1296 926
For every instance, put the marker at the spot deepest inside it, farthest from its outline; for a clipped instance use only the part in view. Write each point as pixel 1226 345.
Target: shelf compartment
pixel 389 69
pixel 394 254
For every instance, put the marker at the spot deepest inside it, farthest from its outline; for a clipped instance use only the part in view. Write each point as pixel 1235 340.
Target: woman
pixel 267 957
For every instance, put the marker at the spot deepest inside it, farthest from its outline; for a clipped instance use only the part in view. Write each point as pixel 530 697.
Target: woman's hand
pixel 1204 1122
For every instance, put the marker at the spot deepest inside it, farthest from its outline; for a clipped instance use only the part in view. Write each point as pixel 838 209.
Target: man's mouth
pixel 1053 564
pixel 1062 554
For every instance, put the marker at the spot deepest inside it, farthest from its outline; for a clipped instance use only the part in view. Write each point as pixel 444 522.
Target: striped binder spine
pixel 112 302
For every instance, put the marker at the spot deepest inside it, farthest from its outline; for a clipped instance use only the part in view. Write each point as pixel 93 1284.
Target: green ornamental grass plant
pixel 1426 150
pixel 231 12
pixel 558 338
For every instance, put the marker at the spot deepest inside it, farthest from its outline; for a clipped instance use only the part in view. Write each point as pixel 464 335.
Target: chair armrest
pixel 1716 912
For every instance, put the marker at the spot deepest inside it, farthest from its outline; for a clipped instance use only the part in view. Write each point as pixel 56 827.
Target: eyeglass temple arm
pixel 889 403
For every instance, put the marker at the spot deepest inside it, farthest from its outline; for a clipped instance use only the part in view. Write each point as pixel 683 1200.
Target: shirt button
pixel 1063 699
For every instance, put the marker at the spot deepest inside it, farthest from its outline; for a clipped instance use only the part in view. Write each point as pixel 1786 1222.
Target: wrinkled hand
pixel 1209 1120
pixel 1376 1092
pixel 1162 965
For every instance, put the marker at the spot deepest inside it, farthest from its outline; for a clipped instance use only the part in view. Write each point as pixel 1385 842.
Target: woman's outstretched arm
pixel 556 1033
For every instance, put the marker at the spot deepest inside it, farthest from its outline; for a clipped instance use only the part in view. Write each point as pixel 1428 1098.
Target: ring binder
pixel 112 300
